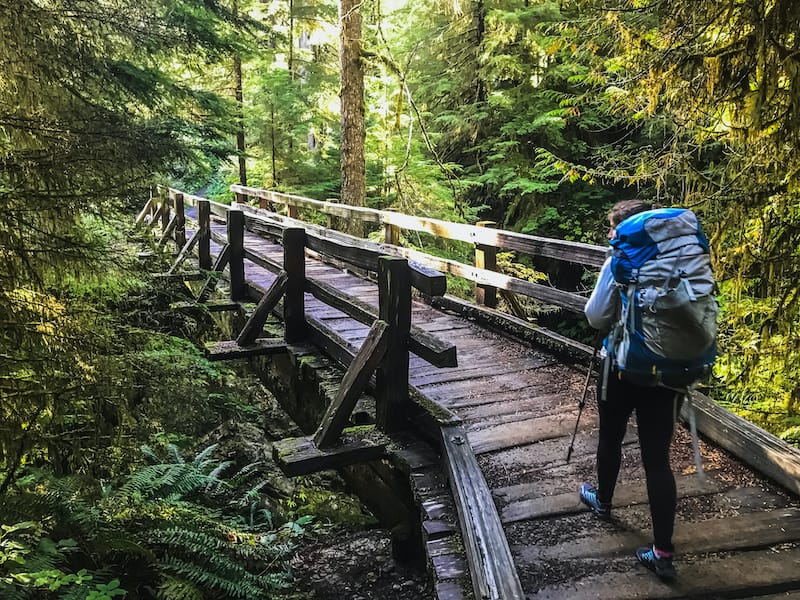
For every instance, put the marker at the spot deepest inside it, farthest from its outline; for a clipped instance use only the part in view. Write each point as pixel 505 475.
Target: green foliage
pixel 171 525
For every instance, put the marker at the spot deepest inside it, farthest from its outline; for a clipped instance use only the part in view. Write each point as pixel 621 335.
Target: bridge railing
pixel 384 353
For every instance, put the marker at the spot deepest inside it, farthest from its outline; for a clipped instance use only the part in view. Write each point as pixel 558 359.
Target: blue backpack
pixel 666 333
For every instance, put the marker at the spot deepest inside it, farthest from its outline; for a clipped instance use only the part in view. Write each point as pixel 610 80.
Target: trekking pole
pixel 582 401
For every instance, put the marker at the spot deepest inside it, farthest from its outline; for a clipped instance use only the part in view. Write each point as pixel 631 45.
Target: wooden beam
pixel 391 378
pixel 147 206
pixel 216 271
pixel 173 222
pixel 300 456
pixel 187 276
pixel 263 262
pixel 185 251
pixel 577 252
pixel 235 226
pixel 180 226
pixel 294 305
pixel 491 565
pixel 230 349
pixel 354 382
pixel 423 344
pixel 212 306
pixel 486 258
pixel 760 449
pixel 204 241
pixel 252 328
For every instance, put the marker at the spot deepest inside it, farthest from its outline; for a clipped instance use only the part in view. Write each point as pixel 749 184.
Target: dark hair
pixel 626 208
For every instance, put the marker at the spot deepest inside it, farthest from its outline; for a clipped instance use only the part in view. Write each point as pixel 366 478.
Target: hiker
pixel 622 391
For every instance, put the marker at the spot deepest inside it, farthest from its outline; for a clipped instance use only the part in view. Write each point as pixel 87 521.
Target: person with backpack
pixel 654 298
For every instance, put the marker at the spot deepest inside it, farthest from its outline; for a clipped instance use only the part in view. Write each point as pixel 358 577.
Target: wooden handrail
pixel 576 252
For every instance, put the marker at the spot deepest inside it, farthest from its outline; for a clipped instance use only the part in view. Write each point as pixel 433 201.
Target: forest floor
pixel 343 554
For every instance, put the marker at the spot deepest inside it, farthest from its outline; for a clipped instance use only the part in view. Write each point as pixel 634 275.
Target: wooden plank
pixel 524 432
pixel 229 349
pixel 180 225
pixel 353 384
pixel 422 343
pixel 491 565
pixel 255 324
pixel 740 532
pixel 262 261
pixel 212 306
pixel 299 456
pixel 724 576
pixel 520 502
pixel 186 276
pixel 204 241
pixel 758 448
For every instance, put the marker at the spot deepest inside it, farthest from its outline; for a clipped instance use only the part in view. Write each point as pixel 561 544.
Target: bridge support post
pixel 180 223
pixel 165 209
pixel 391 388
pixel 294 263
pixel 204 241
pixel 486 258
pixel 236 263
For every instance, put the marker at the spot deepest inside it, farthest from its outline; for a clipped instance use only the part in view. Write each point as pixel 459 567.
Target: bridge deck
pixel 737 534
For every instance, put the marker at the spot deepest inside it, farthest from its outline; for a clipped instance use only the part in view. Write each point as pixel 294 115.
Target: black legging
pixel 655 414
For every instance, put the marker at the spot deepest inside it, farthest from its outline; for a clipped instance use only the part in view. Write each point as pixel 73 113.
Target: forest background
pixel 536 115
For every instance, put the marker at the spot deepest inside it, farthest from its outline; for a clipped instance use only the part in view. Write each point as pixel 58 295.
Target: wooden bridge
pixel 454 418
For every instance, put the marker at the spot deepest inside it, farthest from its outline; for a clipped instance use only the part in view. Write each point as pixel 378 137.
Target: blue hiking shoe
pixel 660 565
pixel 588 495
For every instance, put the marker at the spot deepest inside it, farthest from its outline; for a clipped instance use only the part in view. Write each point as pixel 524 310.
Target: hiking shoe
pixel 589 497
pixel 661 566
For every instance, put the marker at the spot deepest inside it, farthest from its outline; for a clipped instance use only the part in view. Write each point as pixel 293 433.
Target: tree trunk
pixel 238 93
pixel 352 108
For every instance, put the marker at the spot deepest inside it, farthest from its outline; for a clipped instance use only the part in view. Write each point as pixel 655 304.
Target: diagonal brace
pixel 187 248
pixel 353 383
pixel 219 266
pixel 255 323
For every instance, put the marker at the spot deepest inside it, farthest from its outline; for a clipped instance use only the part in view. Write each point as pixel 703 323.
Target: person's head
pixel 624 209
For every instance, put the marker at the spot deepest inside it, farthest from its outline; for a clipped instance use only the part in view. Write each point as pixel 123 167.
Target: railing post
pixel 236 263
pixel 394 295
pixel 180 224
pixel 165 211
pixel 391 234
pixel 486 258
pixel 204 240
pixel 294 263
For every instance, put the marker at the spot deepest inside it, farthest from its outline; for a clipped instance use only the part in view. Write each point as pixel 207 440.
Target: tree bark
pixel 239 94
pixel 352 108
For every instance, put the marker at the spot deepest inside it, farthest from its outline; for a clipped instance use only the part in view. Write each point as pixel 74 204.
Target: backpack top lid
pixel 644 235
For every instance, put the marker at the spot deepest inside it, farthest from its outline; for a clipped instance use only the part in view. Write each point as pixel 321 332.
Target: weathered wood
pixel 491 564
pixel 300 456
pixel 340 246
pixel 537 246
pixel 156 215
pixel 216 271
pixel 353 384
pixel 187 276
pixel 252 328
pixel 262 261
pixel 212 306
pixel 166 212
pixel 230 349
pixel 180 224
pixel 236 260
pixel 520 502
pixel 185 251
pixel 759 570
pixel 204 240
pixel 760 449
pixel 529 431
pixel 294 263
pixel 486 258
pixel 391 388
pixel 741 532
pixel 422 343
pixel 511 324
pixel 145 211
pixel 173 222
